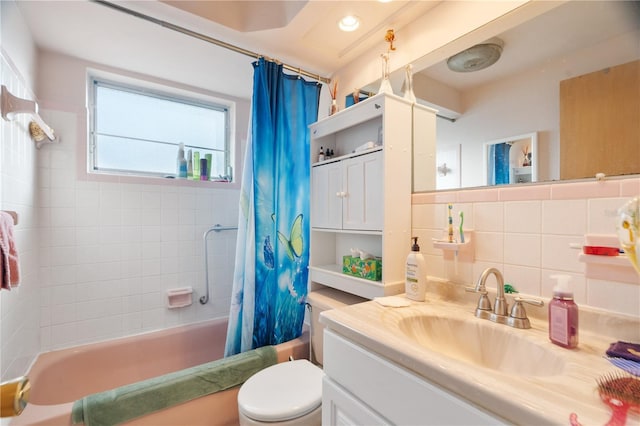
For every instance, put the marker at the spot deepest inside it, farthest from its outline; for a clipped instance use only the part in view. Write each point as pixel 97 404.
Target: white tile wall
pixel 111 250
pixel 530 240
pixel 19 323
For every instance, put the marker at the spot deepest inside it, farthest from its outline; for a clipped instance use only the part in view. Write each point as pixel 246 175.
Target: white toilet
pixel 290 393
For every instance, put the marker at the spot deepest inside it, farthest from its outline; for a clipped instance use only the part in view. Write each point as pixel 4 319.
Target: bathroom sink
pixel 482 343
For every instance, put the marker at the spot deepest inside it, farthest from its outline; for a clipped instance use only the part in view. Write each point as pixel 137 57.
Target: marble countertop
pixel 512 393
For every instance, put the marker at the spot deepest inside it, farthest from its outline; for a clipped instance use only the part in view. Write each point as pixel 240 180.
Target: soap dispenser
pixel 563 314
pixel 416 274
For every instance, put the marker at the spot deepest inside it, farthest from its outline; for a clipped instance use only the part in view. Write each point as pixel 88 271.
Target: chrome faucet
pixel 518 316
pixel 500 306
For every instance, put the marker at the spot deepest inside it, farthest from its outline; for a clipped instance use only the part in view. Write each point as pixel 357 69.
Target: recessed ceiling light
pixel 349 23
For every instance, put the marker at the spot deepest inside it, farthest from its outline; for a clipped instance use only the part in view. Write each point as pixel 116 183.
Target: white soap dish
pixel 179 297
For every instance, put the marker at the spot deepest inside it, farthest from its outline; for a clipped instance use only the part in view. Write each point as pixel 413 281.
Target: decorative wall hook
pixel 390 37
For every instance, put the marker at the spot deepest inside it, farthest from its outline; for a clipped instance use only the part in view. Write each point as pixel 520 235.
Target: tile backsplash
pixel 526 232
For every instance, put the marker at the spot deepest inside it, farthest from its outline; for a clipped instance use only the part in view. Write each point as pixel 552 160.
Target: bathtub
pixel 59 378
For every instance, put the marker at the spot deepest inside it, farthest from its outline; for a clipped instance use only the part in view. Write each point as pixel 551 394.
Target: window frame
pixel 160 91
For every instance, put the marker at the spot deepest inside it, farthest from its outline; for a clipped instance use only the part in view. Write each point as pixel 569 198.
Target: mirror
pixel 511 160
pixel 521 94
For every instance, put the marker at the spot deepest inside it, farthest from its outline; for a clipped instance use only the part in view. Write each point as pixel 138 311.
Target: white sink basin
pixel 482 343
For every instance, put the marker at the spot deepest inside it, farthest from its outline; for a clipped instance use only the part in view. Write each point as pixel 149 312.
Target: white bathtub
pixel 59 378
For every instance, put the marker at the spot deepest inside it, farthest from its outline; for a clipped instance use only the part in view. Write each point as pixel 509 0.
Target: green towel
pixel 137 399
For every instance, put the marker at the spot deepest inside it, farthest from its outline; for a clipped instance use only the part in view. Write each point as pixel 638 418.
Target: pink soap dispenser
pixel 563 314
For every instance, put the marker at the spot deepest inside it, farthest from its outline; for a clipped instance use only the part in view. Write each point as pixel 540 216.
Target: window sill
pixel 153 180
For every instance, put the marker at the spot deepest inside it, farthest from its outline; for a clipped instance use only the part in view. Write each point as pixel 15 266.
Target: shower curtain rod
pixel 208 39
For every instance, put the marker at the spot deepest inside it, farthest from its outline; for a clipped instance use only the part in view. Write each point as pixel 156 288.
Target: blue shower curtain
pixel 499 164
pixel 270 277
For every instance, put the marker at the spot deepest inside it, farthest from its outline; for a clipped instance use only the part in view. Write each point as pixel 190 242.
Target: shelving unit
pixel 522 174
pixel 362 198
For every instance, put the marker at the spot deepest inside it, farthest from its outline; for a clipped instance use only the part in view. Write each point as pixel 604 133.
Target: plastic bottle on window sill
pixel 189 164
pixel 181 165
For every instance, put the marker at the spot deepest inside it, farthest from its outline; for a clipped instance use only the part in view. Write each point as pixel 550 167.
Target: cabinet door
pixel 326 189
pixel 362 182
pixel 340 408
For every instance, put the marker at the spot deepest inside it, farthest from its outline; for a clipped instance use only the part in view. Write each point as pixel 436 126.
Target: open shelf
pixel 349 155
pixel 617 268
pixel 332 276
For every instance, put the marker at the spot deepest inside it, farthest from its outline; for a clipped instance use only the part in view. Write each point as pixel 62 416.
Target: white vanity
pixel 436 363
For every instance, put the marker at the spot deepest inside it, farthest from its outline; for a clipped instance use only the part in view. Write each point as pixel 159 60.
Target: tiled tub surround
pixel 110 250
pixel 516 386
pixel 526 231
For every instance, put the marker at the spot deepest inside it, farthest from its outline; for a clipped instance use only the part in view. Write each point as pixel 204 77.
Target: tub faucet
pixel 500 306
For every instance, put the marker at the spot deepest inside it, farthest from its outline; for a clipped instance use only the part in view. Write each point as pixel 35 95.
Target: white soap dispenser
pixel 416 274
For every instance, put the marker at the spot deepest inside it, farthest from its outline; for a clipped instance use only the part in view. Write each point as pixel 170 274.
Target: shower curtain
pixel 272 253
pixel 499 163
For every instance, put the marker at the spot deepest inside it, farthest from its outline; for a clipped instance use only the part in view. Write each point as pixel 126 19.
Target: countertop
pixel 512 394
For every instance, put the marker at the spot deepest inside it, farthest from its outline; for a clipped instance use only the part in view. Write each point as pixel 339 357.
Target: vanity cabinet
pixel 361 197
pixel 361 387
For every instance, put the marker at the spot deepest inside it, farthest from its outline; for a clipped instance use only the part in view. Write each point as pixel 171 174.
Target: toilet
pixel 290 393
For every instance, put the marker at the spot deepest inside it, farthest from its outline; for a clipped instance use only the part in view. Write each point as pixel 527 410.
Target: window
pixel 137 131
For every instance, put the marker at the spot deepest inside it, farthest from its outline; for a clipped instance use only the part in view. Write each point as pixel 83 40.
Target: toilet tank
pixel 320 301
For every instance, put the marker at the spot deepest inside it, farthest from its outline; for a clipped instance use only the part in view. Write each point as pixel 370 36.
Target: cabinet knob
pixel 341 194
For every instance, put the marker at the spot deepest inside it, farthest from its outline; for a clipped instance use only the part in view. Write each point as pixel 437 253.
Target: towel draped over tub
pixel 137 399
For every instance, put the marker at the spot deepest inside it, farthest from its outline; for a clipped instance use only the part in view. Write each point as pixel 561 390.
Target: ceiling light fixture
pixel 477 57
pixel 349 23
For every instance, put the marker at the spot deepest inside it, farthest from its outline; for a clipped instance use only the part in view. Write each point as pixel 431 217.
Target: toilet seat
pixel 282 392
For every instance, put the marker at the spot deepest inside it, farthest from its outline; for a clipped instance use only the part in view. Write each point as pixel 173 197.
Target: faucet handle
pixel 484 304
pixel 517 311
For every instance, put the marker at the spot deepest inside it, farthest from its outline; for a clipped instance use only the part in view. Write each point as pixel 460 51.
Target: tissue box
pixel 369 269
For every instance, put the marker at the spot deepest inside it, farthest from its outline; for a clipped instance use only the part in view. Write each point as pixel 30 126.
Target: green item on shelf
pixel 508 288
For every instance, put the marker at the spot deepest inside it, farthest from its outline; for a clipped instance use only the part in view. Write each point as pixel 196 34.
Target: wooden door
pixel 600 123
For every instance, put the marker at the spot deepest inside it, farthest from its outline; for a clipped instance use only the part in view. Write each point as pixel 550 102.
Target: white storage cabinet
pixel 361 198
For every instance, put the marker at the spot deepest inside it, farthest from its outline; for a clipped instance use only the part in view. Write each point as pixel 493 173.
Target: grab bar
pixel 216 228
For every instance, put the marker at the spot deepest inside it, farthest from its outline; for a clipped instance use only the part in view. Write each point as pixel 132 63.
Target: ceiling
pixel 303 34
pixel 562 31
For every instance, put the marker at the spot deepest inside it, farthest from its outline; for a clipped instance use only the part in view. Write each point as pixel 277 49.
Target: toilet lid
pixel 282 392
